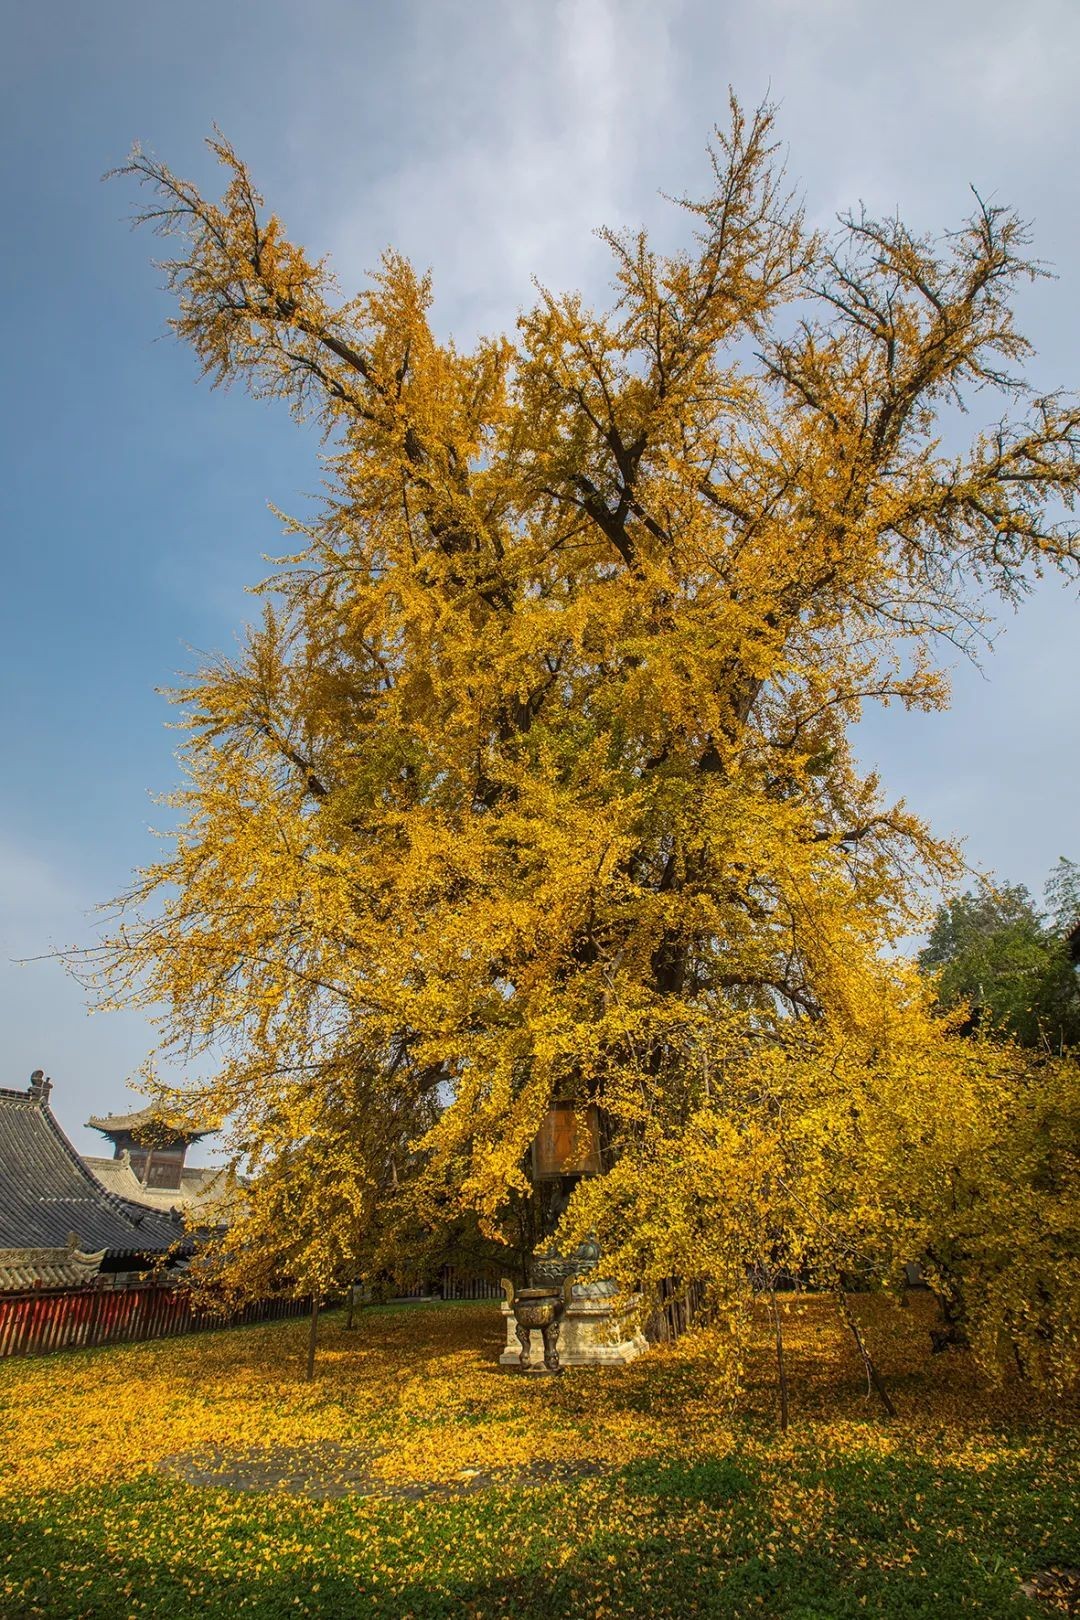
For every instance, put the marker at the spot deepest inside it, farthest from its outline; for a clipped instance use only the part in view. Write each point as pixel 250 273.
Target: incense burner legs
pixel 549 1332
pixel 537 1310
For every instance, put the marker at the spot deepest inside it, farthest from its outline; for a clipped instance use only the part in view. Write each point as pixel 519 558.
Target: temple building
pixel 155 1152
pixel 147 1164
pixel 59 1225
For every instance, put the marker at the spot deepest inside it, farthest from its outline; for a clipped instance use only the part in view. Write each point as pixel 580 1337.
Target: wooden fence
pixel 41 1320
pixel 454 1286
pixel 678 1309
pixel 450 1284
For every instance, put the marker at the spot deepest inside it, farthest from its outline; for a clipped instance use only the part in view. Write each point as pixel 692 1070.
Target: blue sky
pixel 486 139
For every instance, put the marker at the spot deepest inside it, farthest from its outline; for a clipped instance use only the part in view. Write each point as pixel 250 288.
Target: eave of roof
pixel 140 1119
pixel 47 1192
pixel 69 1267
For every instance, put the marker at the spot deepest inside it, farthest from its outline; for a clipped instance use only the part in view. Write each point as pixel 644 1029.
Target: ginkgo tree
pixel 534 780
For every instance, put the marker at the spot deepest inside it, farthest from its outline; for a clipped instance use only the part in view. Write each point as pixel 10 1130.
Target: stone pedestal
pixel 592 1334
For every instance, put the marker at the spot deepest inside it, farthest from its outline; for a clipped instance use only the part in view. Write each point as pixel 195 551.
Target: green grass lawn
pixel 690 1508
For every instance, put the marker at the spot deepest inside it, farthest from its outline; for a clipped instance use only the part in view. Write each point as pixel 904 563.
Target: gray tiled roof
pixel 48 1268
pixel 47 1193
pixel 210 1186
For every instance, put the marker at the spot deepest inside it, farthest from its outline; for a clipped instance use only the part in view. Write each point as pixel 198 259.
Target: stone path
pixel 1058 1589
pixel 326 1471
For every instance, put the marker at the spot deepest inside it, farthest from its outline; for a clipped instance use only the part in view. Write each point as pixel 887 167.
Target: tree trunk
pixel 873 1377
pixel 313 1335
pixel 780 1369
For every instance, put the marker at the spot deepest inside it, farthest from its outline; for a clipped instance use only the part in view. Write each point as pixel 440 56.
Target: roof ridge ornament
pixel 40 1086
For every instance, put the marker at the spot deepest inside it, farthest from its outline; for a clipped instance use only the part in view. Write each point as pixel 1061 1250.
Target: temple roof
pixel 47 1194
pixel 200 1186
pixel 69 1267
pixel 138 1119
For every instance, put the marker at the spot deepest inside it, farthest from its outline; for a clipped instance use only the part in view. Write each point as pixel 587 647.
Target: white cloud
pixel 520 128
pixel 527 135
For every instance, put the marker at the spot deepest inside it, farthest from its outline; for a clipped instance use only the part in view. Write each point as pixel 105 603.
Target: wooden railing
pixel 41 1320
pixel 450 1284
pixel 454 1286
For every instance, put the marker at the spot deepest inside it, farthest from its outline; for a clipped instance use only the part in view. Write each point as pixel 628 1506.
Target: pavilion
pixel 147 1164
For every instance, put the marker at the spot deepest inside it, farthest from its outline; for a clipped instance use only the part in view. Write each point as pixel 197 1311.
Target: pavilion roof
pixel 139 1119
pixel 200 1185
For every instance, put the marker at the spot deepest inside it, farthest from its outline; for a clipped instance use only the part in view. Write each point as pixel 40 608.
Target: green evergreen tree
pixel 996 953
pixel 1062 893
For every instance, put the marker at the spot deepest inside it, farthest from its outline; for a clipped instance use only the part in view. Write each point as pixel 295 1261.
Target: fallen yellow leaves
pixel 419 1395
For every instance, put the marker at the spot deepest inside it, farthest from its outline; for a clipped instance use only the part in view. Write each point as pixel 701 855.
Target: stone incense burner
pixel 540 1310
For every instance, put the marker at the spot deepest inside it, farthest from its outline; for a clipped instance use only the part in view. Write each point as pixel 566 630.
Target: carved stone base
pixel 591 1333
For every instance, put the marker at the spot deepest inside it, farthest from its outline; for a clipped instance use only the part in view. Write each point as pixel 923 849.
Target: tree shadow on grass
pixel 893 1537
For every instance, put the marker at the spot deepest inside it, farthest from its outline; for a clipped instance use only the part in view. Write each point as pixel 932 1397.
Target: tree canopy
pixel 996 954
pixel 1062 893
pixel 534 780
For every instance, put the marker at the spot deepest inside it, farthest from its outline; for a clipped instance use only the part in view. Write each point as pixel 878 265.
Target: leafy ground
pixel 436 1483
